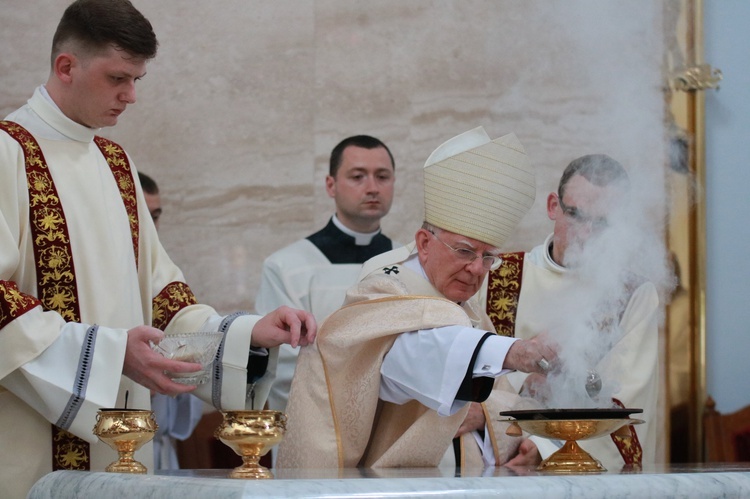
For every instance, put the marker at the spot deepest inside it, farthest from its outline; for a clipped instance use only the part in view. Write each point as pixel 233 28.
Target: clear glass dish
pixel 197 347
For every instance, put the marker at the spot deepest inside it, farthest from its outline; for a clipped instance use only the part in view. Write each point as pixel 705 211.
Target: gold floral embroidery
pixel 57 289
pixel 13 303
pixel 627 442
pixel 56 281
pixel 56 284
pixel 503 290
pixel 118 163
pixel 60 297
pixel 68 451
pixel 41 189
pixel 56 265
pixel 174 297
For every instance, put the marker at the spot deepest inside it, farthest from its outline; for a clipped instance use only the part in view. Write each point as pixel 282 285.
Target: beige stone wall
pixel 240 109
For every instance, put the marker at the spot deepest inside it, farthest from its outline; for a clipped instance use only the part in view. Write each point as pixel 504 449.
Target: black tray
pixel 557 414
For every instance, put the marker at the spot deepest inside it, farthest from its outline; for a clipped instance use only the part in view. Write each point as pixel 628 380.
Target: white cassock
pixel 629 368
pixel 54 371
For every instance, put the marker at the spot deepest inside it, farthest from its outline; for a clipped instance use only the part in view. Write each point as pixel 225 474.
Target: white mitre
pixel 478 187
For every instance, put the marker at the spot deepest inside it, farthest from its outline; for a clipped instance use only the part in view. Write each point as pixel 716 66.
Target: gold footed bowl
pixel 251 434
pixel 571 458
pixel 125 431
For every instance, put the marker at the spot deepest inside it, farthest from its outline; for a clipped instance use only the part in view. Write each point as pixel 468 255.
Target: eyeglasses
pixel 573 213
pixel 489 262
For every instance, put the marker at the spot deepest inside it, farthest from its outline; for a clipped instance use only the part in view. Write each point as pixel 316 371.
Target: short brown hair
pixel 363 141
pixel 599 169
pixel 97 24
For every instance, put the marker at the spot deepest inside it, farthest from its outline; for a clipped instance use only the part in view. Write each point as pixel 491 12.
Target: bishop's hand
pixel 535 355
pixel 284 325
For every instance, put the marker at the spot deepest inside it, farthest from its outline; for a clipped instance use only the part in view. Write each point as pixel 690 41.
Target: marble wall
pixel 239 111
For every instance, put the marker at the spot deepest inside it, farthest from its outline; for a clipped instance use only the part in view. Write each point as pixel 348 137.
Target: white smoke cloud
pixel 607 269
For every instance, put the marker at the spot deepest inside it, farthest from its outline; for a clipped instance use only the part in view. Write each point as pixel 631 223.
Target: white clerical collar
pixel 360 238
pixel 60 126
pixel 551 263
pixel 412 263
pixel 47 97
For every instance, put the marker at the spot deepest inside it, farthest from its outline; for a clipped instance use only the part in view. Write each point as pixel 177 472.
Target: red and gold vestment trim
pixel 174 297
pixel 13 303
pixel 56 283
pixel 626 440
pixel 120 167
pixel 503 290
pixel 56 279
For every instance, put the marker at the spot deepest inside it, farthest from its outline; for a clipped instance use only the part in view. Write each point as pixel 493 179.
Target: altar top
pixel 684 481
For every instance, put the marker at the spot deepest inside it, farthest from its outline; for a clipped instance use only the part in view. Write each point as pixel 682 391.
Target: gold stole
pixel 56 281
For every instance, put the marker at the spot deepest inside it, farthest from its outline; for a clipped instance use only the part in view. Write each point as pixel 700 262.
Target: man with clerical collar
pixel 85 285
pixel 389 381
pixel 581 286
pixel 314 273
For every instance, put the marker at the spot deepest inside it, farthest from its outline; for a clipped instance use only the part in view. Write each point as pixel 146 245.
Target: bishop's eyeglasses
pixel 489 262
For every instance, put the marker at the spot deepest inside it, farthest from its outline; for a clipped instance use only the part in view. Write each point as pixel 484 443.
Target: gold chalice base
pixel 125 431
pixel 571 458
pixel 251 434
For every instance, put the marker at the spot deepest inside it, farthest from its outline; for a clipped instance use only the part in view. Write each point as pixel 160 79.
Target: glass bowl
pixel 190 347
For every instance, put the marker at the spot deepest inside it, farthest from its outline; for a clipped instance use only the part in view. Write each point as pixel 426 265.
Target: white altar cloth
pixel 684 481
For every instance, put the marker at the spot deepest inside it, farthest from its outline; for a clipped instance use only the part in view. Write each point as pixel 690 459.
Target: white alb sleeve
pixel 429 365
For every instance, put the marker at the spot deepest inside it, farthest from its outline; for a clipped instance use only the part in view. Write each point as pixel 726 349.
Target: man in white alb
pixel 314 273
pixel 85 285
pixel 579 287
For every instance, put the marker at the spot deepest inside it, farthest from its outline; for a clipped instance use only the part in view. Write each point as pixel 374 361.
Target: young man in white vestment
pixel 85 285
pixel 579 287
pixel 389 380
pixel 314 273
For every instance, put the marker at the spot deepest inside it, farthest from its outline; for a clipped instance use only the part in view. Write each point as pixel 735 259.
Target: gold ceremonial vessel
pixel 570 425
pixel 125 430
pixel 251 434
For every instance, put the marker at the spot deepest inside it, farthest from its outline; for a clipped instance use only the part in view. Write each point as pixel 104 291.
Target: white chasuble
pixel 336 415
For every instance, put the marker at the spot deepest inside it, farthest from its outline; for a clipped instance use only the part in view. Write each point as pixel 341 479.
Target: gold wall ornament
pixel 698 77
